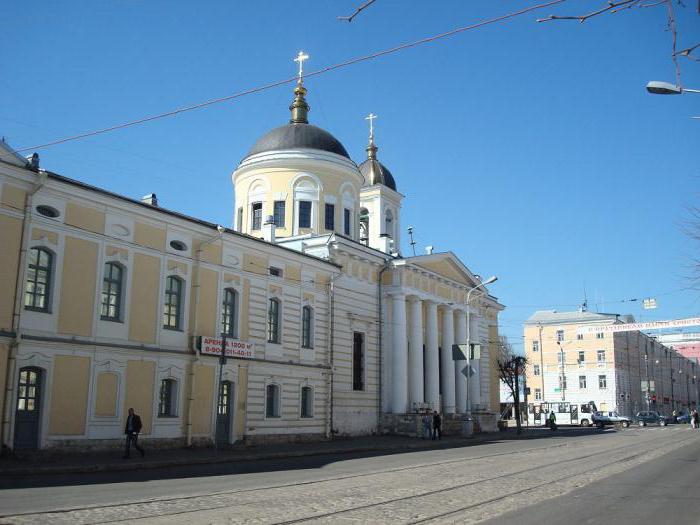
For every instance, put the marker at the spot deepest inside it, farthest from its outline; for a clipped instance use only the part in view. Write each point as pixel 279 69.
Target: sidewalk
pixel 112 461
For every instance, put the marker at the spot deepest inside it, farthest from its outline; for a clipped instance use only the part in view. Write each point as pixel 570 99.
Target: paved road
pixel 458 485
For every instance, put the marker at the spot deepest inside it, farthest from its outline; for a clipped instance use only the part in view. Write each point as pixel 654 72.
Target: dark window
pixel 229 318
pixel 279 207
pixel 28 393
pixel 347 227
pixel 273 321
pixel 364 225
pixel 224 398
pixel 37 291
pixel 560 335
pixel 307 402
pixel 256 214
pixel 582 382
pixel 602 382
pixel 272 401
pixel 172 311
pixel 166 404
pixel 304 214
pixel 277 272
pixel 307 319
pixel 239 220
pixel 581 357
pixel 112 286
pixel 178 245
pixel 330 217
pixel 358 361
pixel 47 211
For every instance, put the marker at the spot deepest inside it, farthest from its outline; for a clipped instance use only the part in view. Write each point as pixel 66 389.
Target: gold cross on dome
pixel 371 118
pixel 300 58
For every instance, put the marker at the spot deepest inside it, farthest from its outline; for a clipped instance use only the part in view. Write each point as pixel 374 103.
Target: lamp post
pixel 646 368
pixel 562 377
pixel 469 346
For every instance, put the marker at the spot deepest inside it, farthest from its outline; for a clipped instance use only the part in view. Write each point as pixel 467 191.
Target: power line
pixel 271 85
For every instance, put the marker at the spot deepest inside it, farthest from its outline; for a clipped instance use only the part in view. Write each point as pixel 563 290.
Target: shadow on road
pixel 246 461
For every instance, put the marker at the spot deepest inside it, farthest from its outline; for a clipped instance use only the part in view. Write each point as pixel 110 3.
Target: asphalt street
pixel 570 477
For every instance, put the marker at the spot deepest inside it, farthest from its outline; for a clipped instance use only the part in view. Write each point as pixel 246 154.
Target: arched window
pixel 112 287
pixel 307 402
pixel 307 322
pixel 364 226
pixel 273 321
pixel 37 291
pixel 272 401
pixel 389 223
pixel 229 311
pixel 167 406
pixel 172 310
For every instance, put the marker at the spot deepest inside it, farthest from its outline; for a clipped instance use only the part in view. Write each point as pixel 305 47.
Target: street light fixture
pixel 657 87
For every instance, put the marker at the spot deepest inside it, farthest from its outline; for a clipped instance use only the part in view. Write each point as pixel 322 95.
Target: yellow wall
pixel 85 218
pixel 145 282
pixel 241 401
pixel 292 272
pixel 208 305
pixel 211 253
pixel 106 391
pixel 10 240
pixel 149 236
pixel 244 317
pixel 203 400
pixel 77 303
pixel 256 264
pixel 69 394
pixel 40 234
pixel 13 197
pixel 140 376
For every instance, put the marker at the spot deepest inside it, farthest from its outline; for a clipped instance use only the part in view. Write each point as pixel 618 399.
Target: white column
pixel 415 352
pixel 460 379
pixel 448 365
pixel 432 355
pixel 399 376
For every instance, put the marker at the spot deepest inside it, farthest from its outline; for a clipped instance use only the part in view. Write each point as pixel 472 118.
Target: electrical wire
pixel 289 80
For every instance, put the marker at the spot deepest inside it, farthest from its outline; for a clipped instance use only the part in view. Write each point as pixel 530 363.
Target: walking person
pixel 426 420
pixel 552 420
pixel 437 425
pixel 695 418
pixel 132 430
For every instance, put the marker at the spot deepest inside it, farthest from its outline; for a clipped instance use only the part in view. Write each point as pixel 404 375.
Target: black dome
pixel 375 172
pixel 292 136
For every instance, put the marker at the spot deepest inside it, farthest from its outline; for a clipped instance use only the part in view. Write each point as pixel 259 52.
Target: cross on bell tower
pixel 299 108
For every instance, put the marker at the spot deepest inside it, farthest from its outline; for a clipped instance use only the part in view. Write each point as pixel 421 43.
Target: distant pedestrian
pixel 132 430
pixel 426 420
pixel 552 420
pixel 675 416
pixel 545 414
pixel 437 425
pixel 695 419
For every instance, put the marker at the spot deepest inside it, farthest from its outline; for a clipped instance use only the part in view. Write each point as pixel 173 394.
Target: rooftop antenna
pixel 584 306
pixel 412 243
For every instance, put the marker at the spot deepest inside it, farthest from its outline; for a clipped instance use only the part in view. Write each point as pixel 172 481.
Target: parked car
pixel 650 417
pixel 683 418
pixel 602 419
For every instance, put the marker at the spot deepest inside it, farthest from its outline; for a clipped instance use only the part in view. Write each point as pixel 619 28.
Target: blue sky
pixel 530 150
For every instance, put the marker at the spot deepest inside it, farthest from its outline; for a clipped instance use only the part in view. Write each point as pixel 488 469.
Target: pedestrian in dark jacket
pixel 437 425
pixel 132 430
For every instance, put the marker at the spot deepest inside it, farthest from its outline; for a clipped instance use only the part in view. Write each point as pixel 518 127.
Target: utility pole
pixel 222 362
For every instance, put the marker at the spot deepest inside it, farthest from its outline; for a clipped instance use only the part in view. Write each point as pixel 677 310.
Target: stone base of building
pixel 485 421
pixel 412 424
pixel 276 439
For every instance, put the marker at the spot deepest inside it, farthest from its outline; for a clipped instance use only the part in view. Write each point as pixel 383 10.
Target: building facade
pixel 109 303
pixel 571 358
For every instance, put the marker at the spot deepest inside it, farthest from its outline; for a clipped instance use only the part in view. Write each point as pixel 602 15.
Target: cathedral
pixel 304 321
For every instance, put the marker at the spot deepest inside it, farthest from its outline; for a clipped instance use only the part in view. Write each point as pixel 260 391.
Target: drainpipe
pixel 195 329
pixel 19 282
pixel 331 351
pixel 380 274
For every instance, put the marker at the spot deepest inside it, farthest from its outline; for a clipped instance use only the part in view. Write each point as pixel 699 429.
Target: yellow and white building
pixel 109 302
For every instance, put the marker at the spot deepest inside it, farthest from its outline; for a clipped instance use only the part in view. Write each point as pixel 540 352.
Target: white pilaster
pixel 432 356
pixel 460 379
pixel 415 352
pixel 399 379
pixel 448 365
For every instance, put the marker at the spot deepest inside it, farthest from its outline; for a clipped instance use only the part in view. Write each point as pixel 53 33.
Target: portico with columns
pixel 426 313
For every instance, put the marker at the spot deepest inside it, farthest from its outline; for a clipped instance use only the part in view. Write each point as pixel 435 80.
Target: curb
pixel 151 465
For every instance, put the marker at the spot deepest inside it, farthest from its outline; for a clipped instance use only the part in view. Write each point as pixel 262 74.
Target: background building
pixel 569 360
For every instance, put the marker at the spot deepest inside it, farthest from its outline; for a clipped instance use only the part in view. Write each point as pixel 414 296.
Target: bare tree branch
pixel 357 11
pixel 612 6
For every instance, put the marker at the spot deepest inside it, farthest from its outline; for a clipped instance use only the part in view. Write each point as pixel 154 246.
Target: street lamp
pixel 656 87
pixel 490 280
